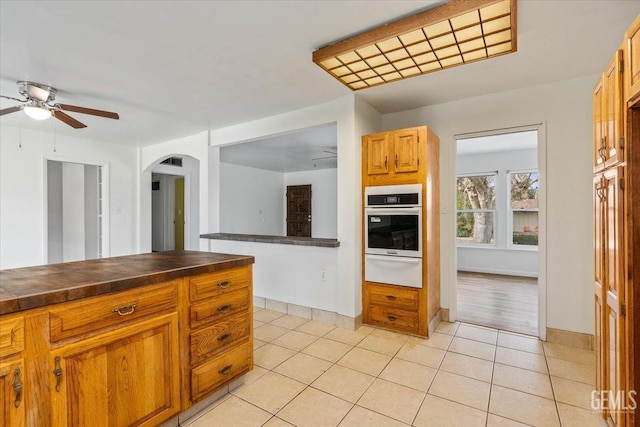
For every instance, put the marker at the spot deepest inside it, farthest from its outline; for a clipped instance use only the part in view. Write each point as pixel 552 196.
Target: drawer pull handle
pixel 392 318
pixel 125 310
pixel 224 337
pixel 58 373
pixel 224 284
pixel 17 387
pixel 225 370
pixel 224 308
pixel 391 298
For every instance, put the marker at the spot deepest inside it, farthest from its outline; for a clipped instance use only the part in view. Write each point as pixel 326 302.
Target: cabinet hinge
pixel 621 143
pixel 621 183
pixel 621 66
pixel 623 309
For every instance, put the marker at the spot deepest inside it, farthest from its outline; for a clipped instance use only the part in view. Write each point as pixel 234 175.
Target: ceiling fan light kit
pixel 37 105
pixel 36 112
pixel 455 33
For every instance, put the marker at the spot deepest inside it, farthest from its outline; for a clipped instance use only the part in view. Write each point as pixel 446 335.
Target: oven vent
pixel 173 161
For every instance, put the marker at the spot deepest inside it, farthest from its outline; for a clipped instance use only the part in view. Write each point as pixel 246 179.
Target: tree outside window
pixel 476 203
pixel 524 207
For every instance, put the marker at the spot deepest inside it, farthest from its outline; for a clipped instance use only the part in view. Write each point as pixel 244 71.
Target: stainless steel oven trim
pixel 394 189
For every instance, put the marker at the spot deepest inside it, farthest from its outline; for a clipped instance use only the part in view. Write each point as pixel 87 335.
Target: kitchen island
pixel 120 341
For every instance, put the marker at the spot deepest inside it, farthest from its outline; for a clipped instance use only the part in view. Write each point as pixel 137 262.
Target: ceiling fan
pixel 332 151
pixel 38 105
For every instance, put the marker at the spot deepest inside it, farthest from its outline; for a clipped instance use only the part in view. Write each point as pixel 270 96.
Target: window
pixel 523 208
pixel 476 209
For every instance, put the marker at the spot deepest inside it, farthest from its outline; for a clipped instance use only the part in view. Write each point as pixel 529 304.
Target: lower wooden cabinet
pixel 137 357
pixel 390 306
pixel 12 393
pixel 127 377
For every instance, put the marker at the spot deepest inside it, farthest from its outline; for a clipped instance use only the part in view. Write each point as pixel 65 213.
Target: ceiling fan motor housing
pixel 37 91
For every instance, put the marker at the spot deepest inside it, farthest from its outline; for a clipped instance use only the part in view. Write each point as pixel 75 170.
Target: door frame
pixel 542 220
pixel 105 218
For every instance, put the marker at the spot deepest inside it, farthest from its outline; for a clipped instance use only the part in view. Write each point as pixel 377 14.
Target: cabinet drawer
pixel 208 341
pixel 220 282
pixel 219 307
pixel 396 296
pixel 213 374
pixel 11 335
pixel 100 312
pixel 393 318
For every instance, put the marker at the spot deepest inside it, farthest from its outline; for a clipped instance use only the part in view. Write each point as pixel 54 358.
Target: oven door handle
pixel 399 259
pixel 393 211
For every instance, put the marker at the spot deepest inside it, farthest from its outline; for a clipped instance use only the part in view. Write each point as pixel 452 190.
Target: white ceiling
pixel 309 149
pixel 173 69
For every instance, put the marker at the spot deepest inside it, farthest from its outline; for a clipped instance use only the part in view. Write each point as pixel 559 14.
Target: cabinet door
pixel 633 58
pixel 405 147
pixel 11 393
pixel 599 279
pixel 612 110
pixel 121 378
pixel 613 303
pixel 377 154
pixel 599 146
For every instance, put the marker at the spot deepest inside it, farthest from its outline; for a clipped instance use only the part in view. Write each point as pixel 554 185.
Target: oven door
pixel 394 231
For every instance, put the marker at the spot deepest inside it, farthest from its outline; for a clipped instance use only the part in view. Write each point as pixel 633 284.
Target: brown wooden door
pixel 299 210
pixel 599 279
pixel 405 147
pixel 377 154
pixel 12 393
pixel 613 333
pixel 121 378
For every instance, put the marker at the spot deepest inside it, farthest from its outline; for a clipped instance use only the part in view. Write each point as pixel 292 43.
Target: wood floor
pixel 503 302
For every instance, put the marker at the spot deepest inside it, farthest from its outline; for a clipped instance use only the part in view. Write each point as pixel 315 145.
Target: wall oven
pixel 393 234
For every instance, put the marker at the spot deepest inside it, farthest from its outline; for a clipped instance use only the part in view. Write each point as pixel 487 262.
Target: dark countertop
pixel 31 287
pixel 281 240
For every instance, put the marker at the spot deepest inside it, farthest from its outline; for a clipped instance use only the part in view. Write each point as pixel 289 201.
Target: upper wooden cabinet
pixel 608 143
pixel 633 60
pixel 395 157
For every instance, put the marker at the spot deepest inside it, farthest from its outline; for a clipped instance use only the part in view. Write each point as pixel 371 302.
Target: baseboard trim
pixel 434 322
pixel 570 338
pixel 444 314
pixel 498 272
pixel 337 319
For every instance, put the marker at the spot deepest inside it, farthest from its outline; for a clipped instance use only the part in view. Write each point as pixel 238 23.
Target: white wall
pixel 324 200
pixel 72 212
pixel 22 191
pixel 251 200
pixel 343 290
pixel 499 259
pixel 565 108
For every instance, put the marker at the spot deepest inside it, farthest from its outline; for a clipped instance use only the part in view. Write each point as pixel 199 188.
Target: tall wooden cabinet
pixel 616 147
pixel 405 156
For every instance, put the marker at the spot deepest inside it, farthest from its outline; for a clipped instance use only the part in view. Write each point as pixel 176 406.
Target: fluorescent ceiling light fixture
pixel 37 113
pixel 455 33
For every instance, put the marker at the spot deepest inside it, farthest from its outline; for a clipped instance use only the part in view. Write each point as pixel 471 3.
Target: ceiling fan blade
pixel 10 110
pixel 93 112
pixel 68 119
pixel 13 99
pixel 325 158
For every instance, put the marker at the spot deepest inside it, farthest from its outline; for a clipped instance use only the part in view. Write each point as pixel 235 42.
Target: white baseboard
pixel 496 271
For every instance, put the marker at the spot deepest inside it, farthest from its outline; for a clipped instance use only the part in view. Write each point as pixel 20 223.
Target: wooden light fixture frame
pixel 358 71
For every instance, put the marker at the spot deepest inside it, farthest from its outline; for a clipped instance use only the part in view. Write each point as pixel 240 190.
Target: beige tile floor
pixel 309 373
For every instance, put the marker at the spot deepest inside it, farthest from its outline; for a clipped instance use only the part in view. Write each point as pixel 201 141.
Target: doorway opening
pixel 76 211
pixel 168 219
pixel 499 221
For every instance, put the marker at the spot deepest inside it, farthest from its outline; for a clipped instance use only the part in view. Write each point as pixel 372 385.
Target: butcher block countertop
pixel 32 287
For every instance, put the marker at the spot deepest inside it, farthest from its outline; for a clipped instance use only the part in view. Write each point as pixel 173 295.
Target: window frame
pixel 494 211
pixel 510 212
